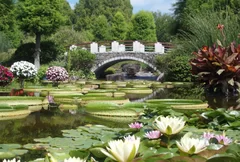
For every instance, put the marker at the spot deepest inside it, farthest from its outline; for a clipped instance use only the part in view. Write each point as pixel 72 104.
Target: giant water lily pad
pixel 11 150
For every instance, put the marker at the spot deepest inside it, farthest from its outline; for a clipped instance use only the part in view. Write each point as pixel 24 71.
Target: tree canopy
pixel 119 27
pixel 143 27
pixel 87 10
pixel 41 18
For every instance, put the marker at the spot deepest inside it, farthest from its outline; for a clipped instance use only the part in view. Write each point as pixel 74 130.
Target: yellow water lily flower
pixel 169 125
pixel 192 145
pixel 123 150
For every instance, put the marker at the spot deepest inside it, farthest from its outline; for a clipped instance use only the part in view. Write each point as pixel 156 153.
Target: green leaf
pixel 82 154
pixel 223 158
pixel 219 42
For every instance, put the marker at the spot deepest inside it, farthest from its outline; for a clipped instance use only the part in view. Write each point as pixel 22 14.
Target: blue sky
pixel 163 6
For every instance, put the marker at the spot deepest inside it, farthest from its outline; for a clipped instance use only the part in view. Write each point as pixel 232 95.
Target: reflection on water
pixel 45 123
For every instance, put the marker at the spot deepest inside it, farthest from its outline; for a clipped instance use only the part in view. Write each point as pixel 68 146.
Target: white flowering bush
pixel 23 70
pixel 56 73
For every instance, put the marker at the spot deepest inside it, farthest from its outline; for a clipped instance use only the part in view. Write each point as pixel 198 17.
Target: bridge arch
pixel 102 66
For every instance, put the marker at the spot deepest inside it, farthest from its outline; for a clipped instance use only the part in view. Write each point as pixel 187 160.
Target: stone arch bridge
pixel 110 53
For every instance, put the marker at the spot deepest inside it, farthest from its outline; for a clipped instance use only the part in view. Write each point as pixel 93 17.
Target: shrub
pixel 49 52
pixel 6 76
pixel 218 66
pixel 109 71
pixel 82 60
pixel 41 74
pixel 56 74
pixel 175 68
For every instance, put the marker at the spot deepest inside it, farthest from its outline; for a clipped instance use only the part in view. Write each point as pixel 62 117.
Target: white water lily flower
pixel 13 160
pixel 192 145
pixel 169 125
pixel 123 150
pixel 73 159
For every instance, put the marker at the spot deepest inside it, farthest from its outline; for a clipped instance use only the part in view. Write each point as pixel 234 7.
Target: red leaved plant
pixel 218 67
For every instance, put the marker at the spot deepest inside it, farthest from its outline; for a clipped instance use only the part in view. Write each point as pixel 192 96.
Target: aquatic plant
pixel 208 135
pixel 6 76
pixel 123 150
pixel 191 145
pixel 153 134
pixel 13 160
pixel 73 159
pixel 169 125
pixel 136 125
pixel 222 139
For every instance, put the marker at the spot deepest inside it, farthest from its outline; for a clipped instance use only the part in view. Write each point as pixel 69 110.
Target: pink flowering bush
pixel 6 76
pixel 56 74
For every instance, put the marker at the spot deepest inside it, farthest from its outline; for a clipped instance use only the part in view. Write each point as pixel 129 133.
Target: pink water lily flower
pixel 136 125
pixel 222 139
pixel 153 134
pixel 208 135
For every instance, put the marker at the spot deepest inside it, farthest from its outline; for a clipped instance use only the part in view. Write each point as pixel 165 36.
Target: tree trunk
pixel 37 51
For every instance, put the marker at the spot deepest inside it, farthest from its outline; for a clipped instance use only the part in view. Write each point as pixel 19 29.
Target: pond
pixel 51 122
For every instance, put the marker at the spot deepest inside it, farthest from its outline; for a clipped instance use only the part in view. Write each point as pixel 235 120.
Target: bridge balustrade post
pixel 115 46
pixel 159 48
pixel 136 46
pixel 142 48
pixel 94 47
pixel 102 48
pixel 121 48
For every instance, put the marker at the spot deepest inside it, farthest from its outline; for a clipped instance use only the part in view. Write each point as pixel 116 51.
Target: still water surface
pixel 50 123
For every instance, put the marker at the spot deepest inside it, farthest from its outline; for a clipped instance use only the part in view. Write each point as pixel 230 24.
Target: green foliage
pixel 41 74
pixel 86 11
pixel 165 26
pixel 202 31
pixel 143 27
pixel 25 52
pixel 109 70
pixel 65 36
pixel 101 28
pixel 42 17
pixel 5 43
pixel 175 68
pixel 80 74
pixel 8 24
pixel 119 27
pixel 82 60
pixel 184 8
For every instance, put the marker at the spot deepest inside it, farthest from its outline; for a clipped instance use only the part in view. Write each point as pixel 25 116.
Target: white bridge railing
pixel 117 47
pixel 126 45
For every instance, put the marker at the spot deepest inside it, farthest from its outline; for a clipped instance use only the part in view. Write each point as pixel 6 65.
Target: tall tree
pixel 101 28
pixel 8 24
pixel 143 27
pixel 119 27
pixel 87 10
pixel 165 26
pixel 40 17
